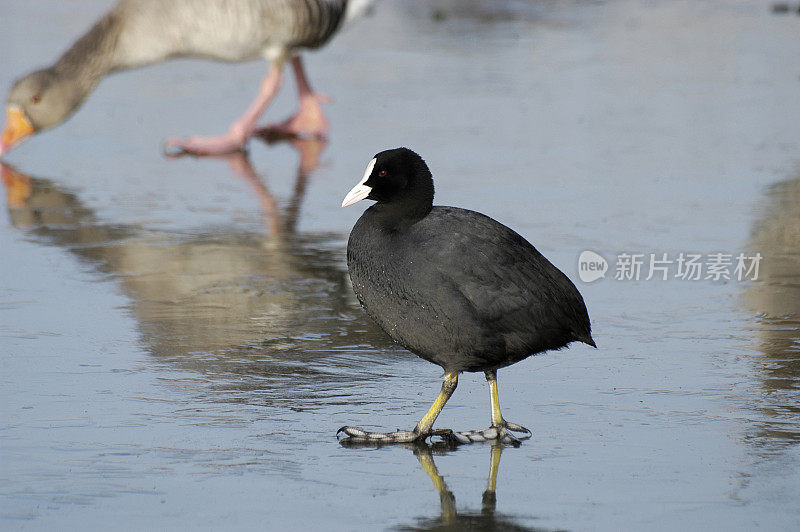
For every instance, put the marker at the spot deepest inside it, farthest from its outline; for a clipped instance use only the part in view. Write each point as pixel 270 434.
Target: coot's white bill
pixel 360 191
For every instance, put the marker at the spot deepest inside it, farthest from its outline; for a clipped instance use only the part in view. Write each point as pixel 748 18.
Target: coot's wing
pixel 510 286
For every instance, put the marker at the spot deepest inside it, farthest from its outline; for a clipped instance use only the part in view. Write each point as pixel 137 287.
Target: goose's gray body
pixel 229 30
pixel 139 32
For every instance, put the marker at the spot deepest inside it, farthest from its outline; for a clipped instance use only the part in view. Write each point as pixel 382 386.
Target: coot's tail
pixel 587 339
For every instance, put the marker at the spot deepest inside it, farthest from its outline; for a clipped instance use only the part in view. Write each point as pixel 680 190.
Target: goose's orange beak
pixel 17 129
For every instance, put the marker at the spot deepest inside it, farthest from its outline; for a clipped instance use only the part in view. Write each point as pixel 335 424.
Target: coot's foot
pixel 360 436
pixel 502 432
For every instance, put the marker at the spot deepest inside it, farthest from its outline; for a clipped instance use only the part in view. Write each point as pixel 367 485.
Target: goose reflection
pixel 776 299
pixel 487 518
pixel 308 150
pixel 246 309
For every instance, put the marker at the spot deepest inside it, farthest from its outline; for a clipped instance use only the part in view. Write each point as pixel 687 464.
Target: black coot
pixel 453 286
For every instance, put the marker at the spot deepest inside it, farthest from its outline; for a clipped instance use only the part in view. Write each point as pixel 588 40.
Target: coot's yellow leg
pixel 448 387
pixel 497 417
pixel 420 432
pixel 500 429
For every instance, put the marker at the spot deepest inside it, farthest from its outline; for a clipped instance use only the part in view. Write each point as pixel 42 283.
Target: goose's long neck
pixel 92 56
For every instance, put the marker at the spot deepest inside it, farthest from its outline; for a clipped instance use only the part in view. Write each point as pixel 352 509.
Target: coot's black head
pixel 399 180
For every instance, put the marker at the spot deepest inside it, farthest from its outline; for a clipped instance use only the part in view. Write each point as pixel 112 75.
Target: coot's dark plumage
pixel 453 286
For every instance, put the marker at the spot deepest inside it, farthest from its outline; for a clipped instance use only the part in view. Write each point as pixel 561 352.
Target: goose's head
pixel 38 101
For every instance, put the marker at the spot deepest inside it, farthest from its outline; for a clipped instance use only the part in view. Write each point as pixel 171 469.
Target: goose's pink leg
pixel 241 130
pixel 309 121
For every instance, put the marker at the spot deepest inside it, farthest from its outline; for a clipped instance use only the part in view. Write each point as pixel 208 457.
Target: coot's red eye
pixel 36 98
pixel 382 173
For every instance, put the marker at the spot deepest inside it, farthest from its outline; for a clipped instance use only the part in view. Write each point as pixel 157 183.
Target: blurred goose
pixel 140 32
